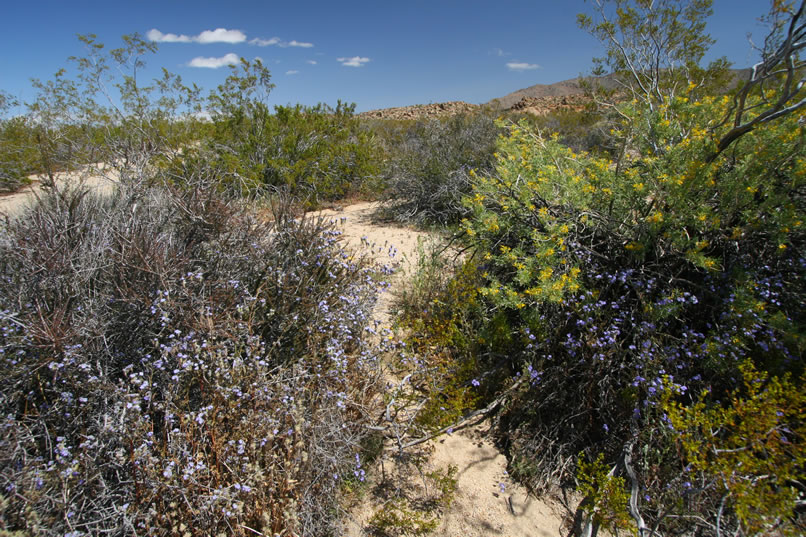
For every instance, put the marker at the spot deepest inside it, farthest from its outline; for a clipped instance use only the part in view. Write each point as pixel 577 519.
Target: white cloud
pixel 291 72
pixel 159 37
pixel 214 63
pixel 355 61
pixel 265 42
pixel 500 52
pixel 219 35
pixel 312 62
pixel 522 66
pixel 294 43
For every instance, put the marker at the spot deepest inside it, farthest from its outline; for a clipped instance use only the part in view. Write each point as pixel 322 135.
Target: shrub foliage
pixel 318 153
pixel 431 164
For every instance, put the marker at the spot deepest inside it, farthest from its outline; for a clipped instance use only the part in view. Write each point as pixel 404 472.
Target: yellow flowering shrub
pixel 610 282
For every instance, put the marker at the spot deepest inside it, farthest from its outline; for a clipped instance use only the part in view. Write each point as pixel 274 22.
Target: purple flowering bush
pixel 174 365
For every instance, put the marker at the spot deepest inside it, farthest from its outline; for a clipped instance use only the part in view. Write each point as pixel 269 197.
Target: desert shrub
pixel 605 494
pixel 173 365
pixel 438 312
pixel 581 130
pixel 431 163
pixel 318 153
pixel 757 459
pixel 608 286
pixel 12 140
pixel 27 149
pixel 402 515
pixel 321 152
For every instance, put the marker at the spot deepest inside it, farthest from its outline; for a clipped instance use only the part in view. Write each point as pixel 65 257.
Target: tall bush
pixel 653 301
pixel 622 282
pixel 318 153
pixel 18 155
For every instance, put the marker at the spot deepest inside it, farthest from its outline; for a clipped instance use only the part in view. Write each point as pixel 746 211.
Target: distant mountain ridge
pixel 564 88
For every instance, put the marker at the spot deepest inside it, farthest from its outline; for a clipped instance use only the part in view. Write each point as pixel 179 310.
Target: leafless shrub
pixel 430 173
pixel 173 365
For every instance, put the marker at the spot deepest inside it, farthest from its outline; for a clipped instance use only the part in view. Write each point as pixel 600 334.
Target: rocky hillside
pixel 419 111
pixel 538 99
pixel 540 106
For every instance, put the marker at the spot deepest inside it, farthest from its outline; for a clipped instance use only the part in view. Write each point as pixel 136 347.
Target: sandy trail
pixel 97 177
pixel 397 246
pixel 487 502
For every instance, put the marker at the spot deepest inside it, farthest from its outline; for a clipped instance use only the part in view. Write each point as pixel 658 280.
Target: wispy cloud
pixel 214 63
pixel 500 52
pixel 264 42
pixel 292 72
pixel 279 42
pixel 312 62
pixel 219 35
pixel 355 61
pixel 522 66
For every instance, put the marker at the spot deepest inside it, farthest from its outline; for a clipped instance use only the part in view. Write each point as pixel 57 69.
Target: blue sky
pixel 377 54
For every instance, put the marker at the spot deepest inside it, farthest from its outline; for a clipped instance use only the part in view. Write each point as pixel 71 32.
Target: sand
pixel 97 177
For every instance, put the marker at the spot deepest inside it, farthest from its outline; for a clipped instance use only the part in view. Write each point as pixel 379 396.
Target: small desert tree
pixel 776 85
pixel 106 112
pixel 655 49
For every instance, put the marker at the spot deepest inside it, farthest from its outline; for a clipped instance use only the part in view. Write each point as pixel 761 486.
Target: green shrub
pixel 437 310
pixel 19 157
pixel 750 450
pixel 605 495
pixel 318 153
pixel 402 516
pixel 580 130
